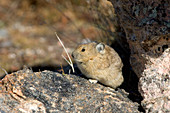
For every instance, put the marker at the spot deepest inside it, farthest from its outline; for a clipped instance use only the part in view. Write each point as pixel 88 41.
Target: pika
pixel 99 62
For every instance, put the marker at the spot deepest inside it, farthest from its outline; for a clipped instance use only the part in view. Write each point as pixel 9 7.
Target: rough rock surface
pixel 25 91
pixel 154 85
pixel 146 24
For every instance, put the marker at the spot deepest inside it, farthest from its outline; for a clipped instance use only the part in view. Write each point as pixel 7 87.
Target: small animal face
pixel 85 52
pixel 99 62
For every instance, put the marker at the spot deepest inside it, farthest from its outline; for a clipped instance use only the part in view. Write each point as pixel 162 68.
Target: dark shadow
pixel 131 80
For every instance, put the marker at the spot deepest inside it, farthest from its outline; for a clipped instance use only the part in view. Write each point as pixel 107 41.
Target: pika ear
pixel 100 47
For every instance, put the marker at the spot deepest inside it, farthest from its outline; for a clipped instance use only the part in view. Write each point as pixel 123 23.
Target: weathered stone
pixel 146 33
pixel 25 91
pixel 146 24
pixel 154 84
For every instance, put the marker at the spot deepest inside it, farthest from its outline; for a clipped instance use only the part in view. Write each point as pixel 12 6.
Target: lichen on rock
pixel 26 91
pixel 146 24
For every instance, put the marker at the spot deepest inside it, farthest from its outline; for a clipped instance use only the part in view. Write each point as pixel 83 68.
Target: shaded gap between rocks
pixel 131 80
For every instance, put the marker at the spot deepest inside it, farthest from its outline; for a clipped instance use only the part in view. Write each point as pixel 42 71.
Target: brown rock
pixel 25 91
pixel 146 24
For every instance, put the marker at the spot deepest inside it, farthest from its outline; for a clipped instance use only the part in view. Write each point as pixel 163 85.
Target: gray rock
pixel 25 91
pixel 147 32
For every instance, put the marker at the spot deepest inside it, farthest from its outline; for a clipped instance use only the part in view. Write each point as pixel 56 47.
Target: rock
pixel 30 41
pixel 154 85
pixel 26 91
pixel 146 24
pixel 3 34
pixel 145 33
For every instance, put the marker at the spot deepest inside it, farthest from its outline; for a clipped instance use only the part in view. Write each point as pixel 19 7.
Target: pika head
pixel 87 52
pixel 100 62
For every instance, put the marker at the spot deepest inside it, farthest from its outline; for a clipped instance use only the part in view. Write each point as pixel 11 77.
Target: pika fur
pixel 100 62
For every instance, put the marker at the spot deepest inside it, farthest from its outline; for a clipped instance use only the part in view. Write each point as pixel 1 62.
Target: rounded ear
pixel 100 47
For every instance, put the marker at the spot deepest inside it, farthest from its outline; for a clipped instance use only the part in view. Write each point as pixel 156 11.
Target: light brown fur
pixel 102 65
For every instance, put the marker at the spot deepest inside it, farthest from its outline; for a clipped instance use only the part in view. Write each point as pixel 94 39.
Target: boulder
pixel 146 24
pixel 47 91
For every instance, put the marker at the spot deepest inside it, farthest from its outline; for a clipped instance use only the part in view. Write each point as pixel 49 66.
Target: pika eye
pixel 83 50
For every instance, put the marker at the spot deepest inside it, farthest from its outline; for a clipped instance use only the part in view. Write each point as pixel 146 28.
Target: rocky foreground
pixel 26 92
